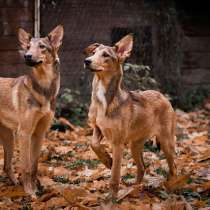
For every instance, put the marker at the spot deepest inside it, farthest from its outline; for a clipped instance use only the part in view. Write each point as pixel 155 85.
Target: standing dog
pixel 27 104
pixel 125 117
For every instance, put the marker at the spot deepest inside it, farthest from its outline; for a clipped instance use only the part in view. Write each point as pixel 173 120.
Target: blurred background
pixel 171 49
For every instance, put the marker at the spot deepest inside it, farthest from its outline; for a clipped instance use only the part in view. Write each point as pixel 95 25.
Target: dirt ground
pixel 73 178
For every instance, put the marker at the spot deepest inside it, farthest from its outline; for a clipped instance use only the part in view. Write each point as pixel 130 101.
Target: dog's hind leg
pixel 167 145
pixel 136 151
pixel 7 138
pixel 100 151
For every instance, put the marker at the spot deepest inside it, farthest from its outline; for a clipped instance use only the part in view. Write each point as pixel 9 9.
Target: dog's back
pixel 155 103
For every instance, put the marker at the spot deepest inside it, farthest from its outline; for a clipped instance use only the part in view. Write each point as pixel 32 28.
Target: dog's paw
pixel 30 190
pixel 13 179
pixel 30 187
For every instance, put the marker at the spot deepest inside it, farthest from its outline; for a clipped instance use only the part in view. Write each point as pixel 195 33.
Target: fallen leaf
pixel 73 194
pixel 175 203
pixel 56 202
pixel 176 183
pixel 124 192
pixel 12 192
pixel 204 156
pixel 66 122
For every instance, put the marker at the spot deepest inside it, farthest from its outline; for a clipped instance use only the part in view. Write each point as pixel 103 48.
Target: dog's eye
pixel 42 46
pixel 28 47
pixel 105 55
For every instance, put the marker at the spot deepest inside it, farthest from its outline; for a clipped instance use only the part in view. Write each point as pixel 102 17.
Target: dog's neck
pixel 107 89
pixel 45 79
pixel 45 74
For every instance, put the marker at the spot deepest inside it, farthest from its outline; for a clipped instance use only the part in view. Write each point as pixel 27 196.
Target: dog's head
pixel 41 50
pixel 103 58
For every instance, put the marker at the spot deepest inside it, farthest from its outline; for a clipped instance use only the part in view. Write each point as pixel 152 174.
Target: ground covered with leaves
pixel 73 178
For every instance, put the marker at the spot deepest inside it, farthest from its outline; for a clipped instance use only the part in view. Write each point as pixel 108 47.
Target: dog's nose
pixel 87 62
pixel 28 57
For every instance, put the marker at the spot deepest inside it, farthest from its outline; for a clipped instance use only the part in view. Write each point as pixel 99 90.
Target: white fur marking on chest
pixel 15 100
pixel 101 94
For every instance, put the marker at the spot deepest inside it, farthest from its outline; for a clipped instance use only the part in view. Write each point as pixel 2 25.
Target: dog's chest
pixel 100 94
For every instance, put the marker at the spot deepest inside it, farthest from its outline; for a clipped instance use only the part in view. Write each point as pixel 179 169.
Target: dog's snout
pixel 28 57
pixel 87 62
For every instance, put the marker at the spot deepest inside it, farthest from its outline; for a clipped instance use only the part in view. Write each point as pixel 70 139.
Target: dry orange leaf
pixel 204 156
pixel 175 204
pixel 56 202
pixel 176 183
pixel 73 195
pixel 12 192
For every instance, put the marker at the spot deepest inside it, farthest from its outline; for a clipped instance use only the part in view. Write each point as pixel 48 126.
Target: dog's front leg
pixel 117 150
pixel 24 139
pixel 36 142
pixel 100 151
pixel 24 136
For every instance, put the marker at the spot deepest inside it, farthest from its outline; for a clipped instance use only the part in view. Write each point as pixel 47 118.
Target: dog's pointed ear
pixel 24 38
pixel 56 36
pixel 89 50
pixel 124 47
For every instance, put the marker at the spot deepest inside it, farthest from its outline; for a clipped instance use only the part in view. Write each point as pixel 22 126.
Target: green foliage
pixel 26 207
pixel 139 77
pixel 186 99
pixel 2 179
pixel 78 145
pixel 80 163
pixel 127 177
pixel 161 172
pixel 61 179
pixel 194 98
pixel 189 194
pixel 190 181
pixel 148 146
pixel 163 194
pixel 61 157
pixel 70 107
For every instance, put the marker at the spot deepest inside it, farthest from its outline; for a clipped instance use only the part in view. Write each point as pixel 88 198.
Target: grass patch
pixel 161 172
pixel 190 195
pixel 80 163
pixel 127 177
pixel 61 179
pixel 149 147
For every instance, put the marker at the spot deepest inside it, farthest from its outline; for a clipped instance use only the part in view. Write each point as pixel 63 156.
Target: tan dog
pixel 125 117
pixel 27 104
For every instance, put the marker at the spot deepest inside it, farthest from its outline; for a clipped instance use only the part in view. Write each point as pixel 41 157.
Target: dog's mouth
pixel 92 69
pixel 33 63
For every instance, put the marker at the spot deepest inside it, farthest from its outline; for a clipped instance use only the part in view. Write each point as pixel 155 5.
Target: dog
pixel 125 117
pixel 27 104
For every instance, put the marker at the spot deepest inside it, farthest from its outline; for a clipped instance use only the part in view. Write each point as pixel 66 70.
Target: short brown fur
pixel 27 105
pixel 125 117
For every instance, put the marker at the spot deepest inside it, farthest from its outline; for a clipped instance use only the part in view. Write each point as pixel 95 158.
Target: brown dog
pixel 27 104
pixel 125 117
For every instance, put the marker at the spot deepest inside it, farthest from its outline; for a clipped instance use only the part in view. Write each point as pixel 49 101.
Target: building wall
pixel 13 14
pixel 196 56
